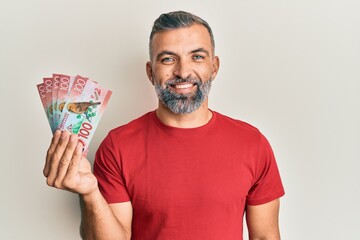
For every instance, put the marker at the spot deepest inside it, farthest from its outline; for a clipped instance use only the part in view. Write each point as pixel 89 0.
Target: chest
pixel 189 173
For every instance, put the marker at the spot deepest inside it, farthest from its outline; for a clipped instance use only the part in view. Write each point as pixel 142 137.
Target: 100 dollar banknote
pixel 74 104
pixel 83 109
pixel 42 94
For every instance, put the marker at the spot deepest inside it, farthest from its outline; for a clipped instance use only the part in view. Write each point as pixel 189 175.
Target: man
pixel 182 171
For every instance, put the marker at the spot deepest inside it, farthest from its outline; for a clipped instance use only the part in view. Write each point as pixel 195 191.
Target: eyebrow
pixel 203 50
pixel 198 50
pixel 165 52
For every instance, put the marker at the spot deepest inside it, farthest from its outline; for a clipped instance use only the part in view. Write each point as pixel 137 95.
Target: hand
pixel 66 168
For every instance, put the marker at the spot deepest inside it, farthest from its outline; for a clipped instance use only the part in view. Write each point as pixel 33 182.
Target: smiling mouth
pixel 182 85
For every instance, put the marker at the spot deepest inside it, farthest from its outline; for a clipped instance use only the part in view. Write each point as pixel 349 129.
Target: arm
pixel 103 221
pixel 262 221
pixel 65 168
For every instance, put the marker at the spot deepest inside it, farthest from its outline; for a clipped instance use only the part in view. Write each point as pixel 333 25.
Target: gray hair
pixel 175 20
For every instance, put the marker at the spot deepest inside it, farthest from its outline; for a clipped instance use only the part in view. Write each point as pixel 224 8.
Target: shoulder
pixel 241 132
pixel 235 125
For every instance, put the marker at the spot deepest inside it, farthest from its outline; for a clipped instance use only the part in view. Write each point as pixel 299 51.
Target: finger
pixel 65 160
pixel 75 161
pixel 73 168
pixel 50 151
pixel 56 156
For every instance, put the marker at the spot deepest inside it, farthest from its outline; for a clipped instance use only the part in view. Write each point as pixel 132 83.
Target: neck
pixel 197 118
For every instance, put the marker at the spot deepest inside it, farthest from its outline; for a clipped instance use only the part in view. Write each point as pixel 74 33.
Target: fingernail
pixel 73 137
pixel 80 146
pixel 64 134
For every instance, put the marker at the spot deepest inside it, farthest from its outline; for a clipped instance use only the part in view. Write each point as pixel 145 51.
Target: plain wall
pixel 291 68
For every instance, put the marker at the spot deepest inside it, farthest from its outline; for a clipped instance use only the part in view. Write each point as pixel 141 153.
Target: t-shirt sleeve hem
pixel 117 200
pixel 255 202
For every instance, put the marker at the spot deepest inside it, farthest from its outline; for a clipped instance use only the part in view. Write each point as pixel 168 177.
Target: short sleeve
pixel 267 185
pixel 107 169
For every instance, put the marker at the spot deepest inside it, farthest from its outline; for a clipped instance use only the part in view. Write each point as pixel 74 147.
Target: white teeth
pixel 180 86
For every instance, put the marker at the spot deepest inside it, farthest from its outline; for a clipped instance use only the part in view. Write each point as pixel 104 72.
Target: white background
pixel 289 67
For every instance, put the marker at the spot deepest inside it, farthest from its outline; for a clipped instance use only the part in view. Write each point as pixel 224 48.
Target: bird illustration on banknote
pixel 78 107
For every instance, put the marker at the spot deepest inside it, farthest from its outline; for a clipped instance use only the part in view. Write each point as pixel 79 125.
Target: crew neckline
pixel 199 129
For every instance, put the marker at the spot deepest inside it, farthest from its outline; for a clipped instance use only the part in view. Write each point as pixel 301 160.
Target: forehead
pixel 183 39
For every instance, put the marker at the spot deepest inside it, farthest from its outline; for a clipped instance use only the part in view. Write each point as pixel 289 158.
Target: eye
pixel 167 60
pixel 198 57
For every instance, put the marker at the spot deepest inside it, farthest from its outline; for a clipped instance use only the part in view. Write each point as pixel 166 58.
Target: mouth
pixel 183 87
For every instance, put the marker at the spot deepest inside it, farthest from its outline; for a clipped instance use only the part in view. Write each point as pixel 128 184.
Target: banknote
pixel 48 84
pixel 42 94
pixel 71 110
pixel 65 83
pixel 74 104
pixel 93 114
pixel 55 89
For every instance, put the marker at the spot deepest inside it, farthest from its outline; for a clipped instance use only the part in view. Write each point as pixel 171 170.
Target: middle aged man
pixel 182 171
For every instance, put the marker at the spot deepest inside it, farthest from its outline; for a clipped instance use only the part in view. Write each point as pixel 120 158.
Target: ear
pixel 216 65
pixel 149 72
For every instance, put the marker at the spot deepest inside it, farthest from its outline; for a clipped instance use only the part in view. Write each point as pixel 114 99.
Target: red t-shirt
pixel 187 183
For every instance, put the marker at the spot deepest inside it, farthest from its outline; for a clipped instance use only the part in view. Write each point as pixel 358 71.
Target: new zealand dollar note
pixel 55 89
pixel 42 94
pixel 73 104
pixel 48 84
pixel 71 110
pixel 83 109
pixel 98 102
pixel 65 83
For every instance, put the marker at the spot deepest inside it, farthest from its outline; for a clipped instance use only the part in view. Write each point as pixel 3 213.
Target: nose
pixel 183 69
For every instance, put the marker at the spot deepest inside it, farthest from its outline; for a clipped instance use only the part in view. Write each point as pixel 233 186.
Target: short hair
pixel 175 20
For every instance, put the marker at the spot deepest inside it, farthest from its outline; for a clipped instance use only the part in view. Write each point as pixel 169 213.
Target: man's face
pixel 182 67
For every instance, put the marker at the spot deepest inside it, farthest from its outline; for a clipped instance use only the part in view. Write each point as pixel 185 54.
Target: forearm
pixel 98 220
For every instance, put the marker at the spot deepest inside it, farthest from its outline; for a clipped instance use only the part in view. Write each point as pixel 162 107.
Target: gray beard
pixel 183 103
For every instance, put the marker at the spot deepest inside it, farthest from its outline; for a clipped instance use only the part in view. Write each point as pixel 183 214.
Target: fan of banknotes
pixel 74 104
